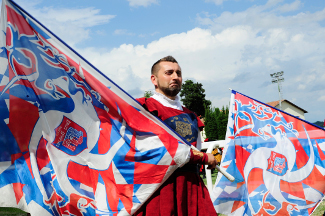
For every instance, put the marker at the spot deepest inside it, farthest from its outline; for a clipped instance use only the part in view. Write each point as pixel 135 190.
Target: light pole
pixel 277 78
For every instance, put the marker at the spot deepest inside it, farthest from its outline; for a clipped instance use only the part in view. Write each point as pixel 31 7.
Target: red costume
pixel 184 192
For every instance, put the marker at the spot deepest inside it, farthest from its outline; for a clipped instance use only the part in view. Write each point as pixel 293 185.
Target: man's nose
pixel 174 75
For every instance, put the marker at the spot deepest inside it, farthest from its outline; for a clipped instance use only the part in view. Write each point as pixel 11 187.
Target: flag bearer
pixel 184 192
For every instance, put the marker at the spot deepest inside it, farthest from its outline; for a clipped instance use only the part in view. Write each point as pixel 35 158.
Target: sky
pixel 222 44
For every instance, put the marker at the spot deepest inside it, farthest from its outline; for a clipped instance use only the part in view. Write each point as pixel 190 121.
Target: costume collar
pixel 167 102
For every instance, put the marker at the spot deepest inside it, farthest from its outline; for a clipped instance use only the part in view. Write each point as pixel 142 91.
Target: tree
pixel 222 123
pixel 211 126
pixel 148 94
pixel 216 123
pixel 320 123
pixel 193 97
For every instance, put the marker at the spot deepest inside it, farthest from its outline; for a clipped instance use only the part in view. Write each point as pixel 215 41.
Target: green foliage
pixel 193 97
pixel 148 94
pixel 214 176
pixel 5 211
pixel 216 123
pixel 222 126
pixel 211 125
pixel 215 120
pixel 319 123
pixel 319 210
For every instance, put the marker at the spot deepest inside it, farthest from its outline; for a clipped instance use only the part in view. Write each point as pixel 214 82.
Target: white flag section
pixel 71 141
pixel 278 162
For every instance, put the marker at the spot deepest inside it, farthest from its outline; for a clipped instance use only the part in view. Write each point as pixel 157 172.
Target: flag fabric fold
pixel 277 159
pixel 71 141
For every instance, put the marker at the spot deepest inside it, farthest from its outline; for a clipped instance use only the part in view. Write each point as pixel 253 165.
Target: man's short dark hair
pixel 155 66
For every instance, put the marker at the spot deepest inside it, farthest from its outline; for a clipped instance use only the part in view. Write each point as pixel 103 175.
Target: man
pixel 184 192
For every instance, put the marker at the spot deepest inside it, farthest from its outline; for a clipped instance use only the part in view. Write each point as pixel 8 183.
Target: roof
pixel 275 103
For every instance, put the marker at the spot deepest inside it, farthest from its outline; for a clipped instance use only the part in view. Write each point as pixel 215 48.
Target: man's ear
pixel 154 80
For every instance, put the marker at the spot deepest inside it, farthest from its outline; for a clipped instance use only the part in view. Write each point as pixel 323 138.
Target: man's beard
pixel 172 91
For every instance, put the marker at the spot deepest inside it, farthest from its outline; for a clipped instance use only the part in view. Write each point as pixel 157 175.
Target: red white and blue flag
pixel 71 141
pixel 278 162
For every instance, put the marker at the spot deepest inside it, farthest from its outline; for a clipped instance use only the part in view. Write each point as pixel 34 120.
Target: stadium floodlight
pixel 277 78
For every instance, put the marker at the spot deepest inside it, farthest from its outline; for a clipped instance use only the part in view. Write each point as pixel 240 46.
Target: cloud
pixel 290 7
pixel 243 77
pixel 101 32
pixel 235 50
pixel 301 87
pixel 148 35
pixel 71 25
pixel 263 17
pixel 144 3
pixel 271 3
pixel 318 87
pixel 322 98
pixel 123 32
pixel 217 2
pixel 154 33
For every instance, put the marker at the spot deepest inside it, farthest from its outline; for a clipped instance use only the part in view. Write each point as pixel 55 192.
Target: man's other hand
pixel 212 162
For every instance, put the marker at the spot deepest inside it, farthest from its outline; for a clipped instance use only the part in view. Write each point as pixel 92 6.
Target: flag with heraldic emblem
pixel 72 142
pixel 277 159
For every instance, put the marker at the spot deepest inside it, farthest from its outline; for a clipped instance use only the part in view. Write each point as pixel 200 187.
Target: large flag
pixel 277 159
pixel 71 141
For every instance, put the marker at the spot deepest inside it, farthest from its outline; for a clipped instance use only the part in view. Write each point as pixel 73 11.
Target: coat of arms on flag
pixel 71 141
pixel 278 162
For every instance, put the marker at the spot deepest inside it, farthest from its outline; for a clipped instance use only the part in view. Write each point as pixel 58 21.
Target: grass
pixel 213 175
pixel 320 209
pixel 6 211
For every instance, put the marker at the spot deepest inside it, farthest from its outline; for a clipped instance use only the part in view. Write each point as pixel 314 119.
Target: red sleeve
pixel 198 157
pixel 141 100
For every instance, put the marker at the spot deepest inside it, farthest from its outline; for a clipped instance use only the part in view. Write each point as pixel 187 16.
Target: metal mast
pixel 277 78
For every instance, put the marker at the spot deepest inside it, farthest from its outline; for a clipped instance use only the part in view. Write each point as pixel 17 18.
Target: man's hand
pixel 212 162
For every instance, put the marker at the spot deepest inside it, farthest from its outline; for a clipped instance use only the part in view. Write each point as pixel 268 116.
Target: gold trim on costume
pixel 197 153
pixel 184 129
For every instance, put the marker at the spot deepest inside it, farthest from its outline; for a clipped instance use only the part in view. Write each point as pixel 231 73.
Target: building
pixel 289 107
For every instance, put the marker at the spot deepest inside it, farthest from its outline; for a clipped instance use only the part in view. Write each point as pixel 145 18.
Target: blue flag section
pixel 71 141
pixel 278 162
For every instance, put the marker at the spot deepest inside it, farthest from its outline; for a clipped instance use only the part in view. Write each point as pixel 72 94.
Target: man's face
pixel 168 80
